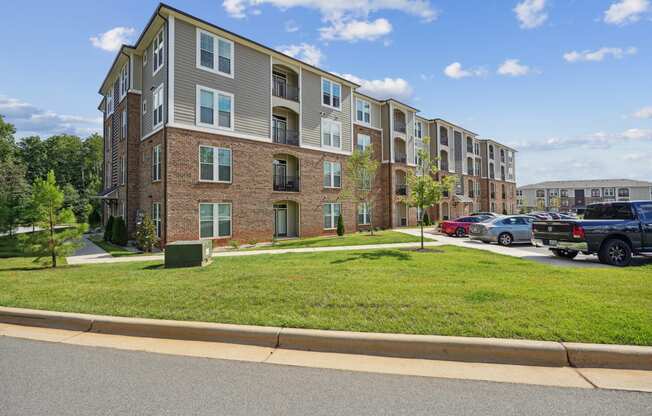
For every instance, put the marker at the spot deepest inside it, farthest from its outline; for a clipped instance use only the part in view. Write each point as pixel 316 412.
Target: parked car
pixel 486 214
pixel 612 230
pixel 503 230
pixel 540 215
pixel 460 227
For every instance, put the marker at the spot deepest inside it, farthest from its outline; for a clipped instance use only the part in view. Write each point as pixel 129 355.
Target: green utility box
pixel 188 253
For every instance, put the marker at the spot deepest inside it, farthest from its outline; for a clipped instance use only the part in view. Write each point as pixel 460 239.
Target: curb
pixel 433 347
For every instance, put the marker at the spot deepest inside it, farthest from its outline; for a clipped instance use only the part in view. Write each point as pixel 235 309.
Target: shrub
pixel 234 244
pixel 94 218
pixel 426 219
pixel 340 225
pixel 108 230
pixel 146 235
pixel 119 232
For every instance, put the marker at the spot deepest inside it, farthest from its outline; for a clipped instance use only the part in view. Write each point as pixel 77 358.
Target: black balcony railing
pixel 283 90
pixel 400 158
pixel 285 136
pixel 401 189
pixel 399 126
pixel 471 194
pixel 443 140
pixel 286 183
pixel 470 171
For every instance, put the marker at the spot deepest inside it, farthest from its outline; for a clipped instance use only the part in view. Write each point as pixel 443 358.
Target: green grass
pixel 453 292
pixel 354 239
pixel 13 255
pixel 112 249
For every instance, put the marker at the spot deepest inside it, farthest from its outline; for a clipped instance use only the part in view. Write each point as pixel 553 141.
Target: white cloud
pixel 512 68
pixel 626 11
pixel 31 120
pixel 382 88
pixel 305 52
pixel 531 13
pixel 635 157
pixel 645 112
pixel 235 8
pixel 113 39
pixel 291 26
pixel 456 71
pixel 355 30
pixel 599 55
pixel 599 140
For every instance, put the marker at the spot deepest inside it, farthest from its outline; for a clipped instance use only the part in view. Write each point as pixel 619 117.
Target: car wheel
pixel 615 252
pixel 460 232
pixel 505 239
pixel 567 254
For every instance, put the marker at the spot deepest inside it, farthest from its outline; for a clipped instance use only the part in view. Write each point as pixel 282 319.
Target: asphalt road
pixel 40 378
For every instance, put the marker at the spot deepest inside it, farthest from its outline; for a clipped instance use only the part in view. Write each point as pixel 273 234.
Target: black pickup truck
pixel 613 230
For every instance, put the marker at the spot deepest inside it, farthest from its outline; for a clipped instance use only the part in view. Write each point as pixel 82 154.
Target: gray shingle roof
pixel 591 183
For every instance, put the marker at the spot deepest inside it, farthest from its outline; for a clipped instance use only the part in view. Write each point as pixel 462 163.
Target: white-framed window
pixel 156 163
pixel 418 130
pixel 214 164
pixel 364 217
pixel 124 81
pixel 331 212
pixel 214 108
pixel 364 141
pixel 156 218
pixel 332 174
pixel 214 54
pixel 214 220
pixel 124 124
pixel 331 93
pixel 331 133
pixel 157 52
pixel 157 107
pixel 609 192
pixel 123 170
pixel 362 111
pixel 109 103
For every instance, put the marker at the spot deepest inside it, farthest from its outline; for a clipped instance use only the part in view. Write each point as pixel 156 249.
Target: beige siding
pixel 251 85
pixel 312 110
pixel 137 82
pixel 151 82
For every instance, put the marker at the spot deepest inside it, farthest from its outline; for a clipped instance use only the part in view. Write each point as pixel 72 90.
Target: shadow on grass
pixel 374 255
pixel 154 267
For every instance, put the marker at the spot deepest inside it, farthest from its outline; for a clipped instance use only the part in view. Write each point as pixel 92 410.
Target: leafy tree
pixel 424 189
pixel 340 225
pixel 47 200
pixel 8 148
pixel 146 234
pixel 361 169
pixel 34 156
pixel 108 229
pixel 14 195
pixel 119 232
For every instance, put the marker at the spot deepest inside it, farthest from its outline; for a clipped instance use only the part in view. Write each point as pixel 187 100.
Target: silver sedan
pixel 503 230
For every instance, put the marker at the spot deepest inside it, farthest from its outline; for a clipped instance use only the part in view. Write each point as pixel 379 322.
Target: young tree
pixel 361 169
pixel 340 225
pixel 424 190
pixel 146 235
pixel 47 202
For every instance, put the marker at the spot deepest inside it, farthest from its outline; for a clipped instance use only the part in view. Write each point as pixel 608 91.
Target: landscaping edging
pixel 482 350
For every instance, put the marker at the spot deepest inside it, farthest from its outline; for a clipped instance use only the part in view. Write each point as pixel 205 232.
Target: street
pixel 41 378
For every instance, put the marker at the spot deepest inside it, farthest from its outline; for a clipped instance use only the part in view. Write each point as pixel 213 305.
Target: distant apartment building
pixel 573 195
pixel 216 136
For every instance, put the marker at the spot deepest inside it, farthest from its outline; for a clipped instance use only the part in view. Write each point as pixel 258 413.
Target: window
pixel 214 164
pixel 491 152
pixel 363 214
pixel 362 111
pixel 156 163
pixel 331 93
pixel 214 53
pixel 157 52
pixel 156 218
pixel 617 211
pixel 443 136
pixel 469 166
pixel 609 192
pixel 331 133
pixel 122 169
pixel 157 100
pixel 363 143
pixel 109 103
pixel 502 155
pixel 469 145
pixel 214 220
pixel 478 166
pixel 476 149
pixel 646 212
pixel 332 174
pixel 331 212
pixel 595 193
pixel 210 100
pixel 124 81
pixel 623 192
pixel 541 193
pixel 124 124
pixel 418 130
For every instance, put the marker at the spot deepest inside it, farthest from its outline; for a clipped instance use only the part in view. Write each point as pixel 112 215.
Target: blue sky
pixel 568 83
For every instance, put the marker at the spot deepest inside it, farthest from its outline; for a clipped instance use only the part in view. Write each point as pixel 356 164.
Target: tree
pixel 108 229
pixel 119 232
pixel 361 169
pixel 146 235
pixel 14 195
pixel 8 148
pixel 424 189
pixel 47 200
pixel 340 225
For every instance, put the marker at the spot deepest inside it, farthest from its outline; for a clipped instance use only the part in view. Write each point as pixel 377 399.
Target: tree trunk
pixel 421 234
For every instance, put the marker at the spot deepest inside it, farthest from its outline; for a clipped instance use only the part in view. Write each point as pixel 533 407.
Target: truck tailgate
pixel 552 230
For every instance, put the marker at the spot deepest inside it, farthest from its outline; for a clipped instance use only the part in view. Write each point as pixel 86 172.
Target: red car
pixel 460 227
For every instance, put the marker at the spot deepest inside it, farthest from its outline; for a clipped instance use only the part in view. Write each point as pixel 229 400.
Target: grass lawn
pixel 353 239
pixel 112 249
pixel 453 292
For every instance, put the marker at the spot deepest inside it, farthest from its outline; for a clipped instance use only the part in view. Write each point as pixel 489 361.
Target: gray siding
pixel 312 108
pixel 251 85
pixel 150 82
pixel 137 81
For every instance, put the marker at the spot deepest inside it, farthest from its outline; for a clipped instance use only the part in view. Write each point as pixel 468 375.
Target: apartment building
pixel 216 136
pixel 574 195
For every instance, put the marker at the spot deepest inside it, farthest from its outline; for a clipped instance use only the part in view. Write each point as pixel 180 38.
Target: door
pixel 280 129
pixel 280 221
pixel 580 202
pixel 645 213
pixel 280 174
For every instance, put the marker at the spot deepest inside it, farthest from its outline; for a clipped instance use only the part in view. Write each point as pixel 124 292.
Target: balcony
pixel 504 196
pixel 399 127
pixel 281 135
pixel 401 189
pixel 285 183
pixel 400 158
pixel 281 89
pixel 493 195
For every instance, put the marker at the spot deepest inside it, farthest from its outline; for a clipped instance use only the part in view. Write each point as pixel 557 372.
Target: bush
pixel 234 244
pixel 94 218
pixel 108 230
pixel 426 219
pixel 146 235
pixel 119 232
pixel 340 225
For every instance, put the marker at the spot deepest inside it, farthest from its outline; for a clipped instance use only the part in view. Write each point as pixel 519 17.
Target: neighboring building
pixel 576 194
pixel 217 136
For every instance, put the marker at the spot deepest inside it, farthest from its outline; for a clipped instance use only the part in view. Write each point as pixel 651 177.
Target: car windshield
pixel 609 212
